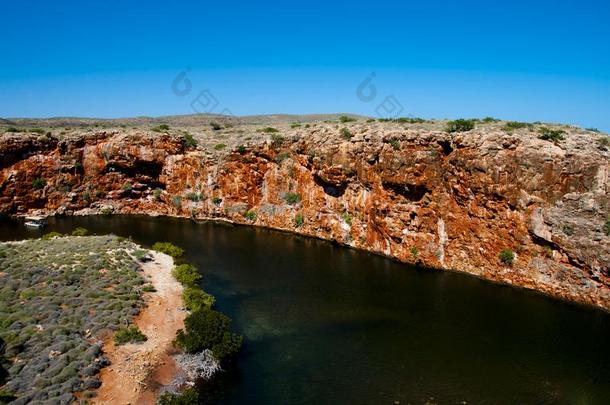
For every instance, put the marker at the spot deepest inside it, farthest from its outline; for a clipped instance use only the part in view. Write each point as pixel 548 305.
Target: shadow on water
pixel 325 324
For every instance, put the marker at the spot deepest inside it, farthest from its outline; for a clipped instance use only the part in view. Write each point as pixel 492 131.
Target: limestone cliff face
pixel 450 201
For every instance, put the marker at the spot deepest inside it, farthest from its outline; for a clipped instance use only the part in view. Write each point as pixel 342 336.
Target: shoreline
pixel 531 287
pixel 139 370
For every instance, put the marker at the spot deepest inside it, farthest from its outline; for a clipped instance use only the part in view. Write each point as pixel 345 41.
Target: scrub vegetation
pixel 204 327
pixel 460 125
pixel 56 296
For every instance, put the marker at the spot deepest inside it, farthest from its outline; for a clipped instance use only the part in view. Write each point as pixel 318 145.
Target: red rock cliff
pixel 444 201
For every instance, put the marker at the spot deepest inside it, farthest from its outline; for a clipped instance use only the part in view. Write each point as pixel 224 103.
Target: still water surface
pixel 330 325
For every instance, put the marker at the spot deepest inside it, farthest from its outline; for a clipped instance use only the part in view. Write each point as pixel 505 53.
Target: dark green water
pixel 329 325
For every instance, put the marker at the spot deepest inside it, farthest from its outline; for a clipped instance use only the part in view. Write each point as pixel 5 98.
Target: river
pixel 329 325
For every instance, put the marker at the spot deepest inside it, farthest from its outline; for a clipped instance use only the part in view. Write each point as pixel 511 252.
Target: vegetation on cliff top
pixel 56 296
pixel 460 125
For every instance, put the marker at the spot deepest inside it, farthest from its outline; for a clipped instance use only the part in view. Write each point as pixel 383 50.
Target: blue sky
pixel 522 60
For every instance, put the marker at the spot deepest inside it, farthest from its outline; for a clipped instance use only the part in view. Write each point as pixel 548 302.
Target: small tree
pixel 208 329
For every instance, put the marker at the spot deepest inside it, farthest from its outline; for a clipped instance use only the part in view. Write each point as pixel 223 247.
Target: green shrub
pixel 127 187
pixel 460 125
pixel 512 125
pixel 195 299
pixel 157 194
pixel 607 226
pixel 345 133
pixel 161 128
pixel 80 232
pixel 250 215
pixel 277 139
pixel 395 144
pixel 241 149
pixel 345 118
pixel 281 157
pixel 268 130
pixel 347 217
pixel 192 196
pixel 370 120
pixel 593 130
pixel 548 134
pixel 208 329
pixel 292 198
pixel 568 229
pixel 169 249
pixel 507 256
pixel 220 146
pixel 177 201
pixel 51 235
pixel 140 255
pixel 408 120
pixel 129 335
pixel 414 252
pixel 149 288
pixel 6 397
pixel 189 140
pixel 186 274
pixel 215 126
pixel 190 396
pixel 299 219
pixel 13 129
pixel 490 119
pixel 295 125
pixel 37 130
pixel 39 183
pixel 216 200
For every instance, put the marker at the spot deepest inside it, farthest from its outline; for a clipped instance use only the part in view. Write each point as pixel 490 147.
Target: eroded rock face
pixel 444 201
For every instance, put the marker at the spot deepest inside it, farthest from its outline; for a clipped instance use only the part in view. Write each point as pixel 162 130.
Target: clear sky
pixel 521 60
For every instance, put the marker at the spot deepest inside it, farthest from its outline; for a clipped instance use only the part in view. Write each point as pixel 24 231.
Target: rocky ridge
pixel 408 191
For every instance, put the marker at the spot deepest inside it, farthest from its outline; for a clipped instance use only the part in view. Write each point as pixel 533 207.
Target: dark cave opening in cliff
pixel 137 169
pixel 333 190
pixel 412 192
